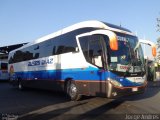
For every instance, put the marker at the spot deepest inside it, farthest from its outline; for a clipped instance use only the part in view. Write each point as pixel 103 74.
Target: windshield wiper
pixel 130 61
pixel 127 71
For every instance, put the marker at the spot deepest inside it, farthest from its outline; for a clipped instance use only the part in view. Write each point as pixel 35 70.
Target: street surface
pixel 33 104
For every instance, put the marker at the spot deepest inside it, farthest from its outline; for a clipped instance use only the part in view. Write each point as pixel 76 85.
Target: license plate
pixel 134 89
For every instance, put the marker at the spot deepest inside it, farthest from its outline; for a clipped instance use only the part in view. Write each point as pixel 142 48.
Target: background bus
pixel 150 69
pixel 88 58
pixel 4 71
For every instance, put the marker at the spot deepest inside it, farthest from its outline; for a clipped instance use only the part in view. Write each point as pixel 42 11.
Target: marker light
pixel 154 51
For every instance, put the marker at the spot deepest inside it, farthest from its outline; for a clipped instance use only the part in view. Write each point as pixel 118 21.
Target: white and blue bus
pixel 88 58
pixel 4 76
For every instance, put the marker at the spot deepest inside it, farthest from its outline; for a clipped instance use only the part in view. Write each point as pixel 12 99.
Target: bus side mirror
pixel 113 41
pixel 148 42
pixel 154 51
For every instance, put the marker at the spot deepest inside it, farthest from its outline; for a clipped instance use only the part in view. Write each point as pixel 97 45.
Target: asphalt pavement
pixel 34 104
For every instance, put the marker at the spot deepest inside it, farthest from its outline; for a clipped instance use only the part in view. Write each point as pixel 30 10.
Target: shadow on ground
pixel 61 106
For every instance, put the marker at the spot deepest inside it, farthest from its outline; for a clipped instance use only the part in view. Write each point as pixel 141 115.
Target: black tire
pixel 72 91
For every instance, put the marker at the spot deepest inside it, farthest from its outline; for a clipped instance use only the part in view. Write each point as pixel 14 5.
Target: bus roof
pixel 85 24
pixel 116 27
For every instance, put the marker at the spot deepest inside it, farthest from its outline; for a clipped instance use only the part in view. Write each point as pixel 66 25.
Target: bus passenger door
pixel 94 50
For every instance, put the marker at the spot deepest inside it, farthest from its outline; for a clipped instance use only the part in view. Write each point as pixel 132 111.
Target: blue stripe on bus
pixel 89 74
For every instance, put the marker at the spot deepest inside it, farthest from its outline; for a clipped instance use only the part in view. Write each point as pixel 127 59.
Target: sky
pixel 27 20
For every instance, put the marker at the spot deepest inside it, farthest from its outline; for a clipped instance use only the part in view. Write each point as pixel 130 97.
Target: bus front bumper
pixel 124 91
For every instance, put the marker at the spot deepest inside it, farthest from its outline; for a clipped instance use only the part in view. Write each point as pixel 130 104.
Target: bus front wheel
pixel 72 91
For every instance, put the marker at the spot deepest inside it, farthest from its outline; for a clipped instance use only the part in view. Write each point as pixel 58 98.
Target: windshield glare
pixel 128 57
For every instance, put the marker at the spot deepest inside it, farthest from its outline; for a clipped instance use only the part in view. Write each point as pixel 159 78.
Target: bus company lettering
pixel 34 63
pixel 41 62
pixel 47 61
pixel 124 67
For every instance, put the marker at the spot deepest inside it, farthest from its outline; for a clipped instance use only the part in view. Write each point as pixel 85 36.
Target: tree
pixel 158 48
pixel 158 40
pixel 158 24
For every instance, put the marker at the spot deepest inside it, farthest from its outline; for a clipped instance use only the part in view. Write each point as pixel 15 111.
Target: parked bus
pixel 4 71
pixel 150 74
pixel 89 58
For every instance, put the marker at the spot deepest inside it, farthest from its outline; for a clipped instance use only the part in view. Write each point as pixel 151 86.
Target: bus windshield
pixel 129 56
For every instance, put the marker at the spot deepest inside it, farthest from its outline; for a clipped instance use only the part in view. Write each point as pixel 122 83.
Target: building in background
pixel 157 63
pixel 4 51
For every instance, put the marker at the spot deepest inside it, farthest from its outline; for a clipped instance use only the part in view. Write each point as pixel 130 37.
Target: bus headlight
pixel 116 83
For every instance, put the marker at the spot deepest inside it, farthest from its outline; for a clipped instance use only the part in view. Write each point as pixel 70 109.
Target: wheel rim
pixel 73 90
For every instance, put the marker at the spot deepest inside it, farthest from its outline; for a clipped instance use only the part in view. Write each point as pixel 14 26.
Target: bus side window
pixel 66 43
pixel 96 50
pixel 84 46
pixel 92 49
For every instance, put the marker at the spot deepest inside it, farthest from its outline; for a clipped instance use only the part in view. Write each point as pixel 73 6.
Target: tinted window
pixel 58 45
pixel 27 54
pixel 92 49
pixel 45 49
pixel 67 43
pixel 4 66
pixel 18 56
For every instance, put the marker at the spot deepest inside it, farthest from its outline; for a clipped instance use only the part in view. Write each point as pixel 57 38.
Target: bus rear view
pixel 89 58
